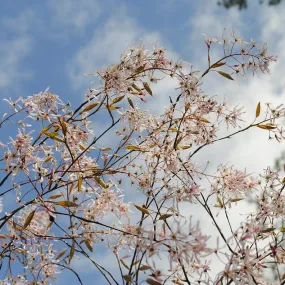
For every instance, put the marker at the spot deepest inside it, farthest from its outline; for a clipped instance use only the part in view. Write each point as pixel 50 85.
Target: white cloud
pixel 14 50
pixel 74 14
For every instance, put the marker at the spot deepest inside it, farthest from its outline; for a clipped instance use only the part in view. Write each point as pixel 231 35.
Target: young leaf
pixel 236 199
pixel 165 216
pixel 133 147
pixel 136 87
pixel 124 263
pixel 112 107
pixel 142 209
pixel 226 75
pixel 89 107
pixel 55 196
pixel 44 130
pixel 117 99
pixel 267 230
pixel 29 219
pixel 218 64
pixel 257 112
pixel 72 250
pixel 89 246
pixel 183 146
pixel 128 278
pixel 101 182
pixel 66 204
pixel 79 183
pixel 268 126
pixel 131 102
pixel 152 282
pixel 147 88
pixel 61 254
pixel 144 267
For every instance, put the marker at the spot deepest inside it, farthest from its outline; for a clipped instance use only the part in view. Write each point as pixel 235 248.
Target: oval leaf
pixel 79 183
pixel 152 282
pixel 89 107
pixel 61 254
pixel 131 102
pixel 257 112
pixel 226 75
pixel 29 219
pixel 142 209
pixel 165 216
pixel 147 88
pixel 66 204
pixel 218 64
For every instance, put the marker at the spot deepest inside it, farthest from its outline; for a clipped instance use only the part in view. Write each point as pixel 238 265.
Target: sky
pixel 53 43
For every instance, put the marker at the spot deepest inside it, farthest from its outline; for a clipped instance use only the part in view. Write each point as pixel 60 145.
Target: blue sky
pixel 53 43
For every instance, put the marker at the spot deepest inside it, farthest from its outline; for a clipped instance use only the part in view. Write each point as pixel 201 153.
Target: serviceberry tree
pixel 63 187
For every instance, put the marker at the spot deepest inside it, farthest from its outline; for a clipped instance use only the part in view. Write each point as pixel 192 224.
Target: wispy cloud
pixel 75 15
pixel 14 47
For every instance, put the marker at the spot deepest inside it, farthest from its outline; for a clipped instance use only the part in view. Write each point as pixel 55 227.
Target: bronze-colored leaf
pixel 112 107
pixel 88 244
pixel 165 216
pixel 145 267
pixel 218 64
pixel 79 183
pixel 152 282
pixel 267 230
pixel 147 88
pixel 133 147
pixel 142 209
pixel 236 199
pixel 131 102
pixel 128 278
pixel 61 254
pixel 71 253
pixel 268 126
pixel 226 75
pixel 66 204
pixel 101 182
pixel 29 219
pixel 44 130
pixel 124 263
pixel 55 196
pixel 118 99
pixel 89 107
pixel 257 112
